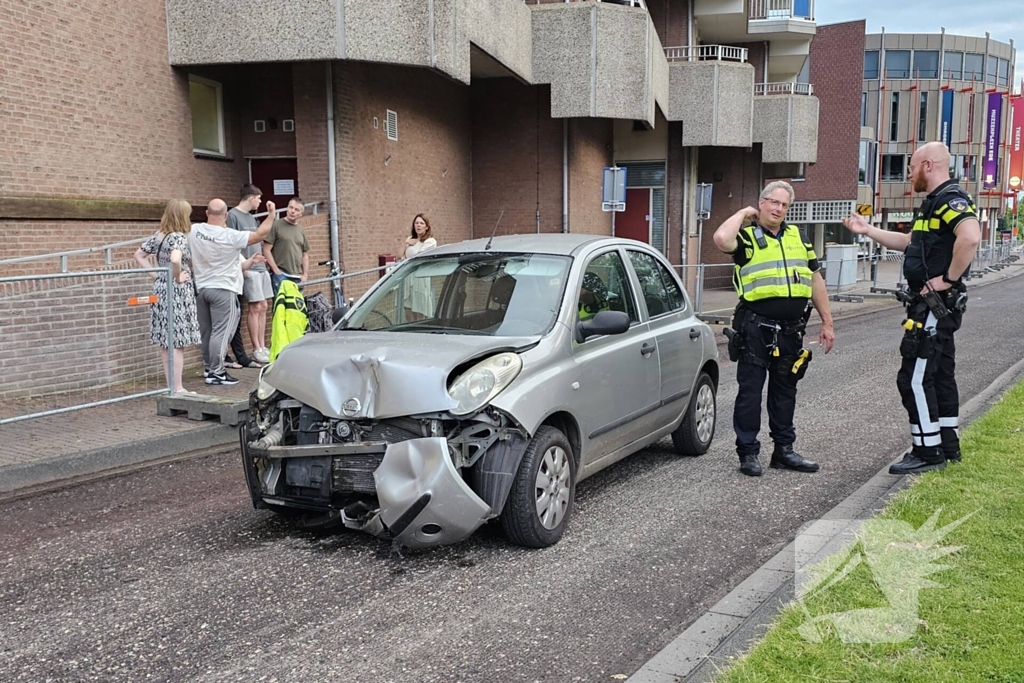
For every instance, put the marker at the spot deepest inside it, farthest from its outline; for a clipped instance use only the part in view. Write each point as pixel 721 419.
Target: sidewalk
pixel 94 440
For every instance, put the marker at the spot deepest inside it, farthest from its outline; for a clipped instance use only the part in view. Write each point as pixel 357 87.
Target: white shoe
pixel 262 355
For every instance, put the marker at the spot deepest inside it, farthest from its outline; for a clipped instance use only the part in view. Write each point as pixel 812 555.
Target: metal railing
pixel 783 89
pixel 108 249
pixel 782 9
pixel 686 53
pixel 79 340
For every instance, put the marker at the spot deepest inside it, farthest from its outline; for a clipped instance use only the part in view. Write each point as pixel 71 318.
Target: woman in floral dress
pixel 170 245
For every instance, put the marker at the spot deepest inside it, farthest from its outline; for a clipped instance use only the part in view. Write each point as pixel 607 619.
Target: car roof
pixel 562 244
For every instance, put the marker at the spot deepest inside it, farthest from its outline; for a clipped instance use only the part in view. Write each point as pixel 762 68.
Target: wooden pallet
pixel 229 411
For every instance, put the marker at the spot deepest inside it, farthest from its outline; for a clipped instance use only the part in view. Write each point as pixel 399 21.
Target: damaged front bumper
pixel 409 491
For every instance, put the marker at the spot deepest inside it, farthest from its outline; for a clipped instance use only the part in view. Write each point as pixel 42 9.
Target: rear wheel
pixel 540 502
pixel 694 435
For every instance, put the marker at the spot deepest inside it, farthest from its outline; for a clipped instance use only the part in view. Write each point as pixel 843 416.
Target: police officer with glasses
pixel 937 254
pixel 777 280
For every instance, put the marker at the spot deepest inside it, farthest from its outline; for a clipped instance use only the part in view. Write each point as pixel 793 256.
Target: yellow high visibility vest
pixel 290 319
pixel 777 271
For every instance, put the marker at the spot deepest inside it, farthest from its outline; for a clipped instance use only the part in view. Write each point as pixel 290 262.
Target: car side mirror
pixel 338 313
pixel 605 322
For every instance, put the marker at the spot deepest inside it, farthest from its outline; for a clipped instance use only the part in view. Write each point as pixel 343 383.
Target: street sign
pixel 613 189
pixel 704 200
pixel 865 210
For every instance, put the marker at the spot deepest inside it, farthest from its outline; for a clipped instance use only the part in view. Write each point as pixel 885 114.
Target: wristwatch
pixel 945 278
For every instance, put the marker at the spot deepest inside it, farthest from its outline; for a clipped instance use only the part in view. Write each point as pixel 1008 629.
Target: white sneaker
pixel 262 355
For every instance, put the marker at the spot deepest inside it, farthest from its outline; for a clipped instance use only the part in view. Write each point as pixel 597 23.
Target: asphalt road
pixel 167 574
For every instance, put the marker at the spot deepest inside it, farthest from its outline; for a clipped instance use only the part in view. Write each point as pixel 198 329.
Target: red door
pixel 635 222
pixel 275 176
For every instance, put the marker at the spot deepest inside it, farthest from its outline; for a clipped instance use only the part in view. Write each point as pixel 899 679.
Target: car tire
pixel 694 435
pixel 540 503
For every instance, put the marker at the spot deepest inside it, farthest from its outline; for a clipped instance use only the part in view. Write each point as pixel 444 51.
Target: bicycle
pixel 335 277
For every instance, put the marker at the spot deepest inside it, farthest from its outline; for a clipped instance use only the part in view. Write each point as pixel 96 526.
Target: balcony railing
pixel 782 9
pixel 783 89
pixel 700 53
pixel 628 3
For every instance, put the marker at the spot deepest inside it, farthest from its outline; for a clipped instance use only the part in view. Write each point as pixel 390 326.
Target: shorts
pixel 256 286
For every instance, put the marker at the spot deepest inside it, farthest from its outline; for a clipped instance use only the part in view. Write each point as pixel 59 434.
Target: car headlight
pixel 477 386
pixel 263 389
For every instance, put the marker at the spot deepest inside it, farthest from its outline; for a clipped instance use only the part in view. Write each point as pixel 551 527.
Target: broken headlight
pixel 263 389
pixel 477 386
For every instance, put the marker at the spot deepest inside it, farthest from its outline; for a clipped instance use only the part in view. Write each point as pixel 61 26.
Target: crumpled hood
pixel 388 374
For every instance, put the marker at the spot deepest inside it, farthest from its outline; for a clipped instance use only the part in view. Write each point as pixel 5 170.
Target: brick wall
pixel 674 192
pixel 590 150
pixel 739 186
pixel 382 184
pixel 669 19
pixel 309 90
pixel 91 107
pixel 837 73
pixel 517 158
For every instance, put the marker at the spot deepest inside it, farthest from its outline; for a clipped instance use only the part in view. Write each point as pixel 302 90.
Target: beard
pixel 920 183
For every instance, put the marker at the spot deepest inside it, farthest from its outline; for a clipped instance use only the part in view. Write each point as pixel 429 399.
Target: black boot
pixel 750 465
pixel 953 455
pixel 784 458
pixel 920 460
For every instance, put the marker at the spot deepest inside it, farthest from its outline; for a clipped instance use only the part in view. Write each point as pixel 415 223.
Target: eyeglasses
pixel 775 203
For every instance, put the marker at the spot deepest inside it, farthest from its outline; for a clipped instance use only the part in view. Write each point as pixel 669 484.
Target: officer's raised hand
pixel 856 224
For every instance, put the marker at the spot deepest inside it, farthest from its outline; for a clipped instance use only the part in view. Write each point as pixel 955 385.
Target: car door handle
pixel 646 349
pixel 694 333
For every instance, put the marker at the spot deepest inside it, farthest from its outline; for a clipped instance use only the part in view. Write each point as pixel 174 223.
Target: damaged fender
pixel 423 499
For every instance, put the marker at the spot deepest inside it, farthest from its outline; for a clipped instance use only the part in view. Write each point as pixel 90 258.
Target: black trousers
pixel 927 384
pixel 746 416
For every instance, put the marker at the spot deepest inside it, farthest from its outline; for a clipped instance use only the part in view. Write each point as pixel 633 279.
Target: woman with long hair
pixel 419 297
pixel 170 247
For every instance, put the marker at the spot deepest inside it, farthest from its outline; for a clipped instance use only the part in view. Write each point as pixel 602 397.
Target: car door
pixel 619 380
pixel 674 326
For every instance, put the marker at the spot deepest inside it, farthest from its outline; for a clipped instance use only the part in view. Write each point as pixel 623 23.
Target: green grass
pixel 972 628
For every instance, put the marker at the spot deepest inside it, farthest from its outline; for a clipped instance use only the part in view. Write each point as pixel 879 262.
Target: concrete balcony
pixel 601 59
pixel 786 122
pixel 434 34
pixel 740 21
pixel 711 90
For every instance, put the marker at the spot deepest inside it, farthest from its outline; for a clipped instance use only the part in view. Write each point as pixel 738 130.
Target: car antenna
pixel 491 238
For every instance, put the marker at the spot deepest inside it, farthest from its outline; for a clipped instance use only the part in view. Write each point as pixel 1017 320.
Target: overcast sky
pixel 1004 19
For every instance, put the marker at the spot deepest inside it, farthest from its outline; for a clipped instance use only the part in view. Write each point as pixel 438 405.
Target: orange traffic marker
pixel 142 300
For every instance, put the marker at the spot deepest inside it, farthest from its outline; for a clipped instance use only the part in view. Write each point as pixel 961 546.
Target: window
pixel 894 118
pixel 990 70
pixel 922 118
pixel 894 167
pixel 871 64
pixel 926 64
pixel 897 64
pixel 1004 72
pixel 953 65
pixel 962 167
pixel 207 102
pixel 605 287
pixel 863 109
pixel 659 288
pixel 868 155
pixel 973 64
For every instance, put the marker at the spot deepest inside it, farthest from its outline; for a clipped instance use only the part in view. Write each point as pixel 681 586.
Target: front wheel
pixel 540 502
pixel 694 435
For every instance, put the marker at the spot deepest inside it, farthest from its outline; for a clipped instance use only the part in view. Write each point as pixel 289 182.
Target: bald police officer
pixel 938 252
pixel 776 276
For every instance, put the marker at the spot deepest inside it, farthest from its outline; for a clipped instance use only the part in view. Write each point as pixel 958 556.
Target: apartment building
pixel 469 110
pixel 936 86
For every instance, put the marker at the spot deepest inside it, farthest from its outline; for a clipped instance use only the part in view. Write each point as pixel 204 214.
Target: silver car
pixel 482 380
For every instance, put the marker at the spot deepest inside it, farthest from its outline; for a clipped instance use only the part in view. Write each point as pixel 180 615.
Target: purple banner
pixel 993 132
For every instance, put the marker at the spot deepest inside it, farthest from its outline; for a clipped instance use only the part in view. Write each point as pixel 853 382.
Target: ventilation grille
pixel 260 125
pixel 391 125
pixel 288 125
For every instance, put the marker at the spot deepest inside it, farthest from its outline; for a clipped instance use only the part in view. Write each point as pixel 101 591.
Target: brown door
pixel 268 174
pixel 635 222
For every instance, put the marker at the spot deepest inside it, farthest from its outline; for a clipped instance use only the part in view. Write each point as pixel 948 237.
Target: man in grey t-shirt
pixel 256 286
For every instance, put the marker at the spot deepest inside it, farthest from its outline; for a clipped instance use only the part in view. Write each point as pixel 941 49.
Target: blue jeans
pixel 276 280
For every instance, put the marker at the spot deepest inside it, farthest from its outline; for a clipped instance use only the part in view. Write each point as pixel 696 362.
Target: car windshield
pixel 501 295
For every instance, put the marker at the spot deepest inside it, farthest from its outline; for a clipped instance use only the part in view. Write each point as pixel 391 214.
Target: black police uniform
pixel 926 379
pixel 766 341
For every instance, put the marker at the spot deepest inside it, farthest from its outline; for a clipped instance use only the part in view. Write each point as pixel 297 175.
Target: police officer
pixel 938 252
pixel 777 280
